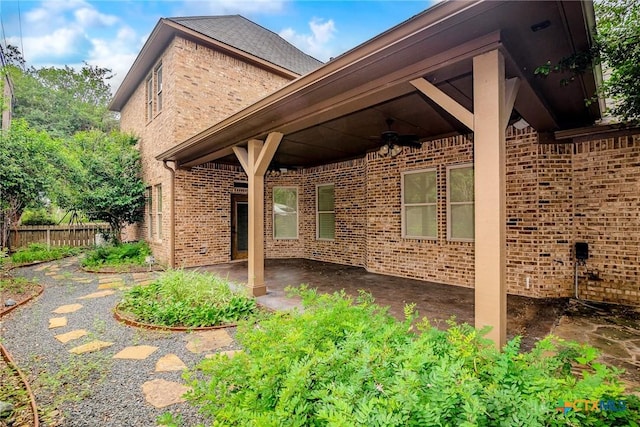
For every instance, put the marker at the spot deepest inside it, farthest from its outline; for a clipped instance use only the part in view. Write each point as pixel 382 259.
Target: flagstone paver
pixel 82 280
pixel 162 393
pixel 98 294
pixel 41 268
pixel 145 282
pixel 57 322
pixel 207 341
pixel 91 346
pixel 110 279
pixel 66 309
pixel 136 352
pixel 51 273
pixel 59 277
pixel 70 336
pixel 111 285
pixel 170 362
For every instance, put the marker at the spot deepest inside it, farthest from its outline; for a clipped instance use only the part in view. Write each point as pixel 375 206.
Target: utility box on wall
pixel 582 251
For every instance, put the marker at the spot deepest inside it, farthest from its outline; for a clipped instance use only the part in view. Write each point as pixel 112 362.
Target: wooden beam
pixel 490 198
pixel 243 158
pixel 511 93
pixel 449 104
pixel 268 150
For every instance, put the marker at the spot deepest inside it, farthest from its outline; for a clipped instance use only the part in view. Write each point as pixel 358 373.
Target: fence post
pixel 48 238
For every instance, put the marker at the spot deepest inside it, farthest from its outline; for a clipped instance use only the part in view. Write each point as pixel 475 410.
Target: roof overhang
pixel 333 112
pixel 163 33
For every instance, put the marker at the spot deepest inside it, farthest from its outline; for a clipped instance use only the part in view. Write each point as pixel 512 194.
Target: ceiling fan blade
pixel 409 141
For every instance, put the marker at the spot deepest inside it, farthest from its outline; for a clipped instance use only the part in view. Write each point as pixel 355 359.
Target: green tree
pixel 62 101
pixel 104 178
pixel 617 47
pixel 27 173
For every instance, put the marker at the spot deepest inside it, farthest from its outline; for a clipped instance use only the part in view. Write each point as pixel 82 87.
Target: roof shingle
pixel 239 32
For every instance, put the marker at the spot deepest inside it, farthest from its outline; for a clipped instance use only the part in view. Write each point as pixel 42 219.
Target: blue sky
pixel 111 33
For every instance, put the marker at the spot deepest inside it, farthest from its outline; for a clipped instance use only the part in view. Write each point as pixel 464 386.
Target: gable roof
pixel 232 34
pixel 243 34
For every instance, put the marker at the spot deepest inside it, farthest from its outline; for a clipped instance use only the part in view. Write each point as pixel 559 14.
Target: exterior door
pixel 239 226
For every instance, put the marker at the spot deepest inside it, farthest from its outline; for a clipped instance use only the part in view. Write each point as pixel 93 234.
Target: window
pixel 460 205
pixel 285 213
pixel 326 216
pixel 159 209
pixel 149 213
pixel 149 98
pixel 419 204
pixel 159 88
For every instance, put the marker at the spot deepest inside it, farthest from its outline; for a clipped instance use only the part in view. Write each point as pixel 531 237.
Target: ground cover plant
pixel 345 361
pixel 122 255
pixel 187 298
pixel 39 252
pixel 12 391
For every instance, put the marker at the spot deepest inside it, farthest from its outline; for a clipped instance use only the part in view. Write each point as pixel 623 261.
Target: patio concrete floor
pixel 614 330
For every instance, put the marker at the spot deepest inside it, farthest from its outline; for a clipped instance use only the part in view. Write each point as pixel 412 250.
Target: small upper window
pixel 159 88
pixel 460 203
pixel 159 210
pixel 149 86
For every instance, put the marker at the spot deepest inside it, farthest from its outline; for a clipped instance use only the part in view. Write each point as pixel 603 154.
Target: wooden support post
pixel 255 161
pixel 490 207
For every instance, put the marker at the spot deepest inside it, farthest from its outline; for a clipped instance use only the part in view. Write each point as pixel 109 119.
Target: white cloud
pixel 58 45
pixel 317 43
pixel 89 17
pixel 222 7
pixel 117 54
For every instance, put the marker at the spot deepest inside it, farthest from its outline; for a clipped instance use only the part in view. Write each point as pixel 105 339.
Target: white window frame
pixel 273 210
pixel 404 205
pixel 318 211
pixel 158 189
pixel 149 101
pixel 149 194
pixel 450 203
pixel 159 85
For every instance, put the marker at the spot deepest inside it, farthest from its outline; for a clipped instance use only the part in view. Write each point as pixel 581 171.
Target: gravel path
pixel 93 389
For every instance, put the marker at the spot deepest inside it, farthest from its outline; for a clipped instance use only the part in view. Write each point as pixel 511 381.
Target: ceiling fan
pixel 392 141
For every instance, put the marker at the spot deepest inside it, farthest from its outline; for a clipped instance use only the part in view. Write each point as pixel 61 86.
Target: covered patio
pixel 459 68
pixel 532 318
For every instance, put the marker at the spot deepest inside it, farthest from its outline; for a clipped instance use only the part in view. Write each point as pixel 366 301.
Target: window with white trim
pixel 159 209
pixel 158 74
pixel 460 203
pixel 420 204
pixel 285 213
pixel 325 213
pixel 149 213
pixel 149 86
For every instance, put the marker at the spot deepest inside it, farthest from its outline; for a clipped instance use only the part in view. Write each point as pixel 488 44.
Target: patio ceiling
pixel 338 111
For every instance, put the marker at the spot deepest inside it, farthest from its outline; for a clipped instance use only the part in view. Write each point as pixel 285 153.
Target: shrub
pixel 187 298
pixel 39 252
pixel 347 362
pixel 119 255
pixel 37 217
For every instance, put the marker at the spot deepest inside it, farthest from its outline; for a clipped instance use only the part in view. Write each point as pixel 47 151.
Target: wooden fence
pixel 76 235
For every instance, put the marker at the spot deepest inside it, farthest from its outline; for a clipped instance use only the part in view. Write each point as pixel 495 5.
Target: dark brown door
pixel 239 226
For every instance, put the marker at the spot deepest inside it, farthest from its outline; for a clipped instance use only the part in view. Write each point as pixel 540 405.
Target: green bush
pixel 187 298
pixel 348 363
pixel 37 217
pixel 119 255
pixel 39 252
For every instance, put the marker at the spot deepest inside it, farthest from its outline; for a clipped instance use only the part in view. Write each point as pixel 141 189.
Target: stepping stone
pixel 137 352
pixel 110 279
pixel 143 276
pixel 51 273
pixel 112 285
pixel 89 347
pixel 41 268
pixel 162 393
pixel 145 282
pixel 65 309
pixel 70 336
pixel 82 280
pixel 57 322
pixel 208 341
pixel 170 362
pixel 58 277
pixel 229 353
pixel 98 294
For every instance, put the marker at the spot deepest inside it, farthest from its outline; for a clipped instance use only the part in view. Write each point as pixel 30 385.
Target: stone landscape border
pixel 122 318
pixel 8 310
pixel 32 399
pixel 116 270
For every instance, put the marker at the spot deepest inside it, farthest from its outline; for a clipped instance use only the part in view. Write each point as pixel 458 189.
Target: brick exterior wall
pixel 201 86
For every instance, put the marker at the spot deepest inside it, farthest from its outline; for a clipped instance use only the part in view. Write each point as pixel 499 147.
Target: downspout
pixel 172 211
